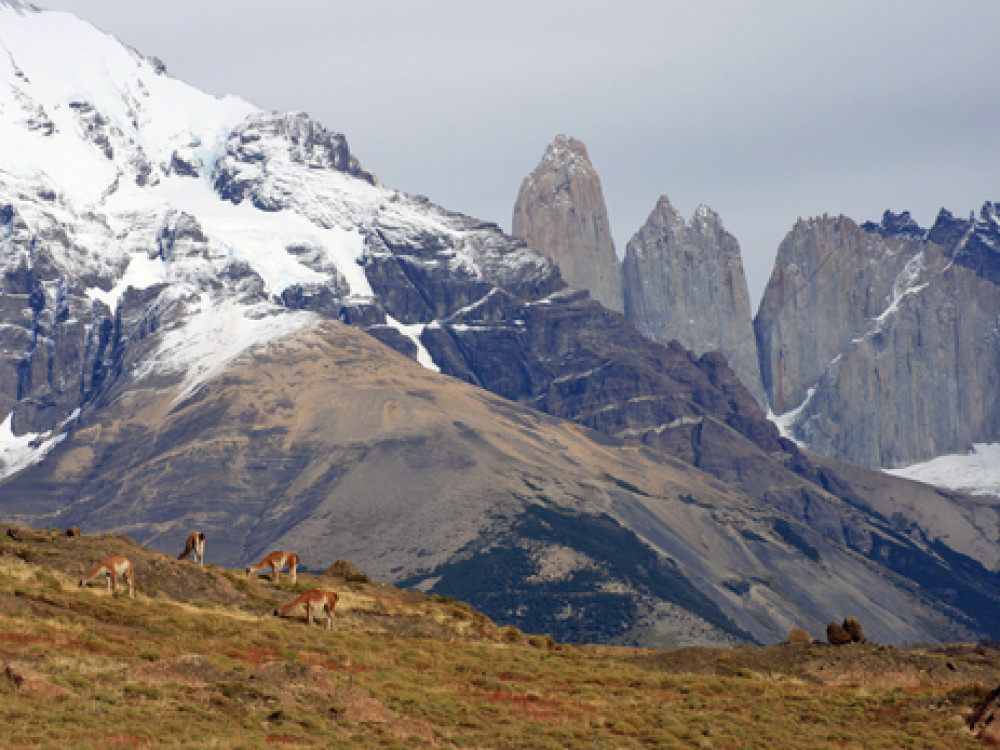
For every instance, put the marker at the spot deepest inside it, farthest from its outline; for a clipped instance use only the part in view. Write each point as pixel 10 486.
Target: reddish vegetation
pixel 257 655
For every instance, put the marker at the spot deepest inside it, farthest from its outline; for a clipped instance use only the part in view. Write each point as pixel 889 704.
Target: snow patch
pixel 976 472
pixel 142 272
pixel 413 333
pixel 259 238
pixel 786 422
pixel 216 334
pixel 18 452
pixel 905 284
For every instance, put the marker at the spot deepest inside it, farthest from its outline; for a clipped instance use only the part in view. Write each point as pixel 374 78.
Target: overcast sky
pixel 765 111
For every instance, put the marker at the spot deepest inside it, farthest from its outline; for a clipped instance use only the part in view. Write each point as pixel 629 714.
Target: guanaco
pixel 314 600
pixel 195 544
pixel 276 561
pixel 113 567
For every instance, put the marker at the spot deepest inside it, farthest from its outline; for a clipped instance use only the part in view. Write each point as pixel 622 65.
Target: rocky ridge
pixel 685 282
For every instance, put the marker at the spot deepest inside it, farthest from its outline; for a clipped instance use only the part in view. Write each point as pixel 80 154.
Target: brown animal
pixel 276 561
pixel 73 531
pixel 15 533
pixel 113 567
pixel 836 634
pixel 798 635
pixel 314 600
pixel 195 544
pixel 852 626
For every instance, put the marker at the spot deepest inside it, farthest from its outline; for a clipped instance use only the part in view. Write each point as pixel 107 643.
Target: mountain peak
pixel 560 212
pixel 900 225
pixel 675 272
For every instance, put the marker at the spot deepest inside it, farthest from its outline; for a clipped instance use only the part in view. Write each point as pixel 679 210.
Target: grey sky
pixel 765 111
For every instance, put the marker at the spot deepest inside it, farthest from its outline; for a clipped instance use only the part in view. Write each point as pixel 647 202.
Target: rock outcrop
pixel 837 635
pixel 799 635
pixel 853 626
pixel 685 282
pixel 883 338
pixel 560 212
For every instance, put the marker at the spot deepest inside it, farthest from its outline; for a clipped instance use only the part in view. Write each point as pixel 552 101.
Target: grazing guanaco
pixel 195 544
pixel 113 567
pixel 276 561
pixel 314 600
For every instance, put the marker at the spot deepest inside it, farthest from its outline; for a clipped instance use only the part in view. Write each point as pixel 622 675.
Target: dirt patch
pixel 188 669
pixel 20 677
pixel 288 675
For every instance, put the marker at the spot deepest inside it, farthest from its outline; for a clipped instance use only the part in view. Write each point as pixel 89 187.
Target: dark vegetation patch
pixel 499 579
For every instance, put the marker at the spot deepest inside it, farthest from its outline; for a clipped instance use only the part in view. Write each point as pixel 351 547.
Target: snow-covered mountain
pixel 175 273
pixel 122 184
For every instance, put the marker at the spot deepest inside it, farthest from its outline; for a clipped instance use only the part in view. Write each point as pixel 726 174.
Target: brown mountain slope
pixel 335 441
pixel 331 444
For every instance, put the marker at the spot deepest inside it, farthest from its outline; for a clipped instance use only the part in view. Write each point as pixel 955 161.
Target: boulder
pixel 798 635
pixel 346 570
pixel 852 626
pixel 836 634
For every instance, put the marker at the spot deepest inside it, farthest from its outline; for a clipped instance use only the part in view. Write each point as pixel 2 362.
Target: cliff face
pixel 884 338
pixel 685 282
pixel 560 212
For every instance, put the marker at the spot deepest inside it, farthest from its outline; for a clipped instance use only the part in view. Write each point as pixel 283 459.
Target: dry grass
pixel 404 670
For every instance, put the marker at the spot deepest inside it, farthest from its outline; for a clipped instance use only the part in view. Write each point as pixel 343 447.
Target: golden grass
pixel 365 684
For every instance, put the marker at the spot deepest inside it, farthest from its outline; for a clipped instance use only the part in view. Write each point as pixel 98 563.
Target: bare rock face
pixel 880 341
pixel 685 282
pixel 560 212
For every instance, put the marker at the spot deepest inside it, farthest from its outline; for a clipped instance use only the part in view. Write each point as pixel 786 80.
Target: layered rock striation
pixel 560 212
pixel 685 282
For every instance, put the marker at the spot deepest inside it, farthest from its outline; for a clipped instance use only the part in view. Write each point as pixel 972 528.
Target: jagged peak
pixel 565 152
pixel 900 225
pixel 705 215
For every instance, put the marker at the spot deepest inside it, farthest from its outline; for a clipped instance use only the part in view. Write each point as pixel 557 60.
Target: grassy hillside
pixel 197 660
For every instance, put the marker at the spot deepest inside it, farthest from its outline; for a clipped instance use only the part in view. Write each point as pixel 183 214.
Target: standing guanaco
pixel 195 544
pixel 276 561
pixel 113 567
pixel 314 600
